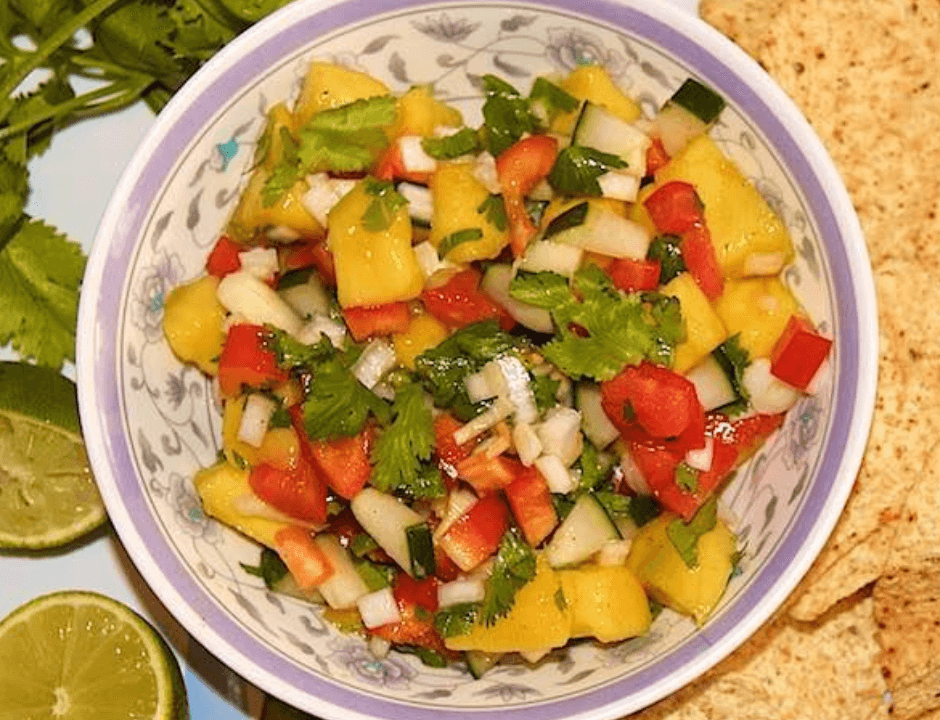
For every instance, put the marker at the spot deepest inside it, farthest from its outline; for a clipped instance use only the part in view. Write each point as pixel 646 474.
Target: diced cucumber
pixel 690 112
pixel 495 283
pixel 600 129
pixel 345 586
pixel 700 100
pixel 387 520
pixel 585 530
pixel 479 662
pixel 712 383
pixel 596 425
pixel 592 226
pixel 421 549
pixel 549 256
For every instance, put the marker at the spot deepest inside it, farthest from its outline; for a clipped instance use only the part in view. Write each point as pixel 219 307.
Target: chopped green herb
pixel 570 218
pixel 644 508
pixel 560 602
pixel 552 97
pixel 577 169
pixel 734 360
pixel 665 248
pixel 374 575
pixel 347 138
pixel 463 142
pixel 592 471
pixel 385 204
pixel 684 535
pixel 280 418
pixel 287 170
pixel 494 210
pixel 337 404
pixel 361 544
pixel 687 477
pixel 460 237
pixel 428 657
pixel 270 568
pixel 513 567
pixel 545 389
pixel 291 353
pixel 457 619
pixel 506 114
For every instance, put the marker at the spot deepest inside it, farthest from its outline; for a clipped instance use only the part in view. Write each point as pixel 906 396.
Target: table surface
pixel 71 185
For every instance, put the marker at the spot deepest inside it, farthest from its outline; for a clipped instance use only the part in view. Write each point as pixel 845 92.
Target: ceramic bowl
pixel 150 422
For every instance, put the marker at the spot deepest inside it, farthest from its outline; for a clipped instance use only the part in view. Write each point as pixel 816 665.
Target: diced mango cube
pixel 419 113
pixel 328 86
pixel 757 308
pixel 424 332
pixel 704 329
pixel 460 204
pixel 606 602
pixel 592 82
pixel 192 321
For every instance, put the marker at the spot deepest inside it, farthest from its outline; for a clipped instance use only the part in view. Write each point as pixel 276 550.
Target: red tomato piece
pixel 224 259
pixel 422 593
pixel 460 302
pixel 345 462
pixel 656 156
pixel 313 254
pixel 661 402
pixel 520 168
pixel 798 353
pixel 391 166
pixel 367 321
pixel 299 493
pixel 488 474
pixel 307 562
pixel 445 569
pixel 476 534
pixel 446 448
pixel 531 504
pixel 245 360
pixel 674 207
pixel 698 251
pixel 632 275
pixel 415 628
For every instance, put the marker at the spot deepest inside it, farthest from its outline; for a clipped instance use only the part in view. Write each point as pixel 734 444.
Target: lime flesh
pixel 83 656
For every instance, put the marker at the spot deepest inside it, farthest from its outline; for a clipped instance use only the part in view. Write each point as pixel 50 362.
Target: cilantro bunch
pixel 62 62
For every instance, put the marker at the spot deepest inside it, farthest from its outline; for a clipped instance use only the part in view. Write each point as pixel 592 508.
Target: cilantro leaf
pixel 494 210
pixel 577 169
pixel 684 535
pixel 400 450
pixel 386 202
pixel 734 360
pixel 40 273
pixel 457 619
pixel 552 97
pixel 463 142
pixel 287 170
pixel 513 567
pixel 270 568
pixel 460 237
pixel 687 477
pixel 347 138
pixel 291 353
pixel 545 389
pixel 506 114
pixel 337 404
pixel 599 328
pixel 665 248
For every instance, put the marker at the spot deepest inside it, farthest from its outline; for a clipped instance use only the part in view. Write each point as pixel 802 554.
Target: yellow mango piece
pixel 539 619
pixel 458 197
pixel 704 329
pixel 372 266
pixel 757 308
pixel 419 112
pixel 558 205
pixel 219 488
pixel 253 216
pixel 662 571
pixel 741 223
pixel 606 602
pixel 638 213
pixel 271 144
pixel 237 453
pixel 423 333
pixel 192 321
pixel 328 86
pixel 591 82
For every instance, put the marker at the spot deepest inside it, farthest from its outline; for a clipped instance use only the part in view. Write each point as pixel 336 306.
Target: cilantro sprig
pixel 513 567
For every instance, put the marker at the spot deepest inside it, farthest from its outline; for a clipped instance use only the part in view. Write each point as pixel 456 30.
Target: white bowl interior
pixel 151 422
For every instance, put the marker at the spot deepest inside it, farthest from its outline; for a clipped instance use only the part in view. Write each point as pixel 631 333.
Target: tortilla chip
pixel 907 610
pixel 787 668
pixel 868 89
pixel 741 20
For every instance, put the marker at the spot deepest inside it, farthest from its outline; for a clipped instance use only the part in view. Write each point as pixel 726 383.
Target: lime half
pixel 48 495
pixel 83 656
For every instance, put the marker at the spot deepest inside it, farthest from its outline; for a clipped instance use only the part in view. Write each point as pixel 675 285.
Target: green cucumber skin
pixel 700 100
pixel 421 550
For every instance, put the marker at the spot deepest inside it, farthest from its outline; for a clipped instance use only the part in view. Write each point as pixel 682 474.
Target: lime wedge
pixel 48 495
pixel 83 656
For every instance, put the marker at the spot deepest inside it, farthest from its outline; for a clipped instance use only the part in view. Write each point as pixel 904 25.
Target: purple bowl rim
pixel 101 407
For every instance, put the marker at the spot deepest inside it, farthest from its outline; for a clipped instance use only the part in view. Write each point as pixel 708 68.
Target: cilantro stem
pixel 18 73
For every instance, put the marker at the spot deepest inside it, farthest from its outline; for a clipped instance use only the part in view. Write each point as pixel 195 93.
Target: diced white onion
pixel 614 552
pixel 528 445
pixel 376 360
pixel 533 656
pixel 549 256
pixel 478 387
pixel 631 475
pixel 619 185
pixel 250 505
pixel 518 388
pixel 542 191
pixel 610 234
pixel 458 502
pixel 560 434
pixel 282 233
pixel 428 260
pixel 319 326
pixel 556 474
pixel 260 262
pixel 413 157
pixel 308 298
pixel 767 393
pixel 701 459
pixel 484 171
pixel 379 608
pixel 323 194
pixel 464 590
pixel 769 263
pixel 499 410
pixel 345 586
pixel 420 200
pixel 241 292
pixel 256 415
pixel 379 647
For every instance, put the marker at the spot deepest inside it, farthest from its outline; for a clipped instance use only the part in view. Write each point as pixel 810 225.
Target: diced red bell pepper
pixel 656 156
pixel 415 628
pixel 345 461
pixel 305 560
pixel 698 251
pixel 520 168
pixel 460 302
pixel 798 353
pixel 487 474
pixel 422 593
pixel 445 569
pixel 650 400
pixel 309 254
pixel 391 166
pixel 245 360
pixel 531 502
pixel 368 321
pixel 631 275
pixel 299 493
pixel 224 259
pixel 476 534
pixel 674 207
pixel 446 449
